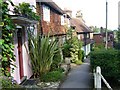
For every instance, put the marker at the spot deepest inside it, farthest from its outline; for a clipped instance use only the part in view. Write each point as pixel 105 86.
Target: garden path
pixel 79 77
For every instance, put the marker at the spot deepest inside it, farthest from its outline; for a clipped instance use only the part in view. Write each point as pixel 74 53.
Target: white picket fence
pixel 97 79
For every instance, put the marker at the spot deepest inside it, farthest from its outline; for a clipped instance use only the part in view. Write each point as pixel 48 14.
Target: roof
pixel 52 4
pixel 79 26
pixel 22 20
pixel 67 10
pixel 104 33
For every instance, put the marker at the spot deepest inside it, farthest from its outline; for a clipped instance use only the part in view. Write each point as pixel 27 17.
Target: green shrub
pixel 59 69
pixel 117 45
pixel 52 76
pixel 6 82
pixel 66 49
pixel 108 60
pixel 98 47
pixel 56 61
pixel 76 53
pixel 72 48
pixel 78 62
pixel 81 55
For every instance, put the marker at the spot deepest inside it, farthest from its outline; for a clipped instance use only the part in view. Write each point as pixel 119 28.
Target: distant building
pixel 99 38
pixel 83 32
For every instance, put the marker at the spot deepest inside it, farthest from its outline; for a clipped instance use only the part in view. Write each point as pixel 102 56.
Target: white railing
pixel 97 79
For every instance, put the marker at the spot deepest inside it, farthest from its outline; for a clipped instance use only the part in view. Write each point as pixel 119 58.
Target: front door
pixel 19 36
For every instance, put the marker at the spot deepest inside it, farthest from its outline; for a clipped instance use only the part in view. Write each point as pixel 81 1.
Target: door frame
pixel 20 52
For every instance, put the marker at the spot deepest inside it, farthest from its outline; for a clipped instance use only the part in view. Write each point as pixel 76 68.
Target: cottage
pixel 23 25
pixel 51 23
pixel 83 32
pixel 52 20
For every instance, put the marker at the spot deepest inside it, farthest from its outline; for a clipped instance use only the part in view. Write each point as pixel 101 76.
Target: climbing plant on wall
pixel 6 40
pixel 26 10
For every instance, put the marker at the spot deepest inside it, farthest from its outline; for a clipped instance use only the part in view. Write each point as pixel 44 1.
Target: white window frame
pixel 62 20
pixel 46 13
pixel 79 36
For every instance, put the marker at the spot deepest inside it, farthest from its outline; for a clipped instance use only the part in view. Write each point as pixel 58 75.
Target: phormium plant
pixel 42 52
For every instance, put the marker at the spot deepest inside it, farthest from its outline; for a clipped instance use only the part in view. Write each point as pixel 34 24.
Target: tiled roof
pixel 79 25
pixel 52 4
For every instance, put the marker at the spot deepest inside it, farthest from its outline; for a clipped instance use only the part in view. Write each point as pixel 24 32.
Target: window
pixel 62 20
pixel 79 36
pixel 46 13
pixel 88 35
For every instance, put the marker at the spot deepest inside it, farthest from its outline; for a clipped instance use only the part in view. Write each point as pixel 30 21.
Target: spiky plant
pixel 41 54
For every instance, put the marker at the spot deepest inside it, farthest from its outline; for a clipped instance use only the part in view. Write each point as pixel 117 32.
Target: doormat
pixel 30 82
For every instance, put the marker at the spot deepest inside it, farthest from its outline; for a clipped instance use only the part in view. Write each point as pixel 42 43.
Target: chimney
pixel 79 14
pixel 68 12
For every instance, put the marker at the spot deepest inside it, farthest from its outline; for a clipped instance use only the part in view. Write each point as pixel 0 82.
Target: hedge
pixel 108 60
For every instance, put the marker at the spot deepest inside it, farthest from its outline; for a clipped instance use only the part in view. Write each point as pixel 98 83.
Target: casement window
pixel 62 20
pixel 79 36
pixel 46 13
pixel 88 35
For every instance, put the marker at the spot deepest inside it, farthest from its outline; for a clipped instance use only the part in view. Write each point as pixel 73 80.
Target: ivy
pixel 25 9
pixel 6 41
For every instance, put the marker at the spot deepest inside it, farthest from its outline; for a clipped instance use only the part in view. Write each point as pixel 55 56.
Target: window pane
pixel 46 13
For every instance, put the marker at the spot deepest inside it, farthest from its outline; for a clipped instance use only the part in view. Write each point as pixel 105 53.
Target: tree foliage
pixel 118 35
pixel 72 47
pixel 25 9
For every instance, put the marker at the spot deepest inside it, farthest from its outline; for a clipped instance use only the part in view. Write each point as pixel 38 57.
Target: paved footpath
pixel 79 77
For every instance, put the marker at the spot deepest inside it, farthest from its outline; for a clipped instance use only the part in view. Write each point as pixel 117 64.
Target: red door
pixel 19 36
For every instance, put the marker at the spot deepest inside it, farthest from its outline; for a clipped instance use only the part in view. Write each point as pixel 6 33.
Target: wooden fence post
pixel 94 71
pixel 98 78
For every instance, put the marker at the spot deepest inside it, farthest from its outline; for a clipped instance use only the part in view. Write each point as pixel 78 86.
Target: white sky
pixel 94 11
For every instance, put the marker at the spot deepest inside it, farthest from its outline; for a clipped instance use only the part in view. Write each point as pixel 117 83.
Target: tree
pixel 118 35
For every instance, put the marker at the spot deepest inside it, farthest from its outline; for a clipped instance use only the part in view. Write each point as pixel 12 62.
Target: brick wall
pixel 99 39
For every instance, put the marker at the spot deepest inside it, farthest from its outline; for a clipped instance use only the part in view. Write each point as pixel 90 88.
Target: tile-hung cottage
pixel 52 20
pixel 83 32
pixel 23 26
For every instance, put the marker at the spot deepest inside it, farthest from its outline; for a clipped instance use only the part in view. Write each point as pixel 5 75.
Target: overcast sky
pixel 93 11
